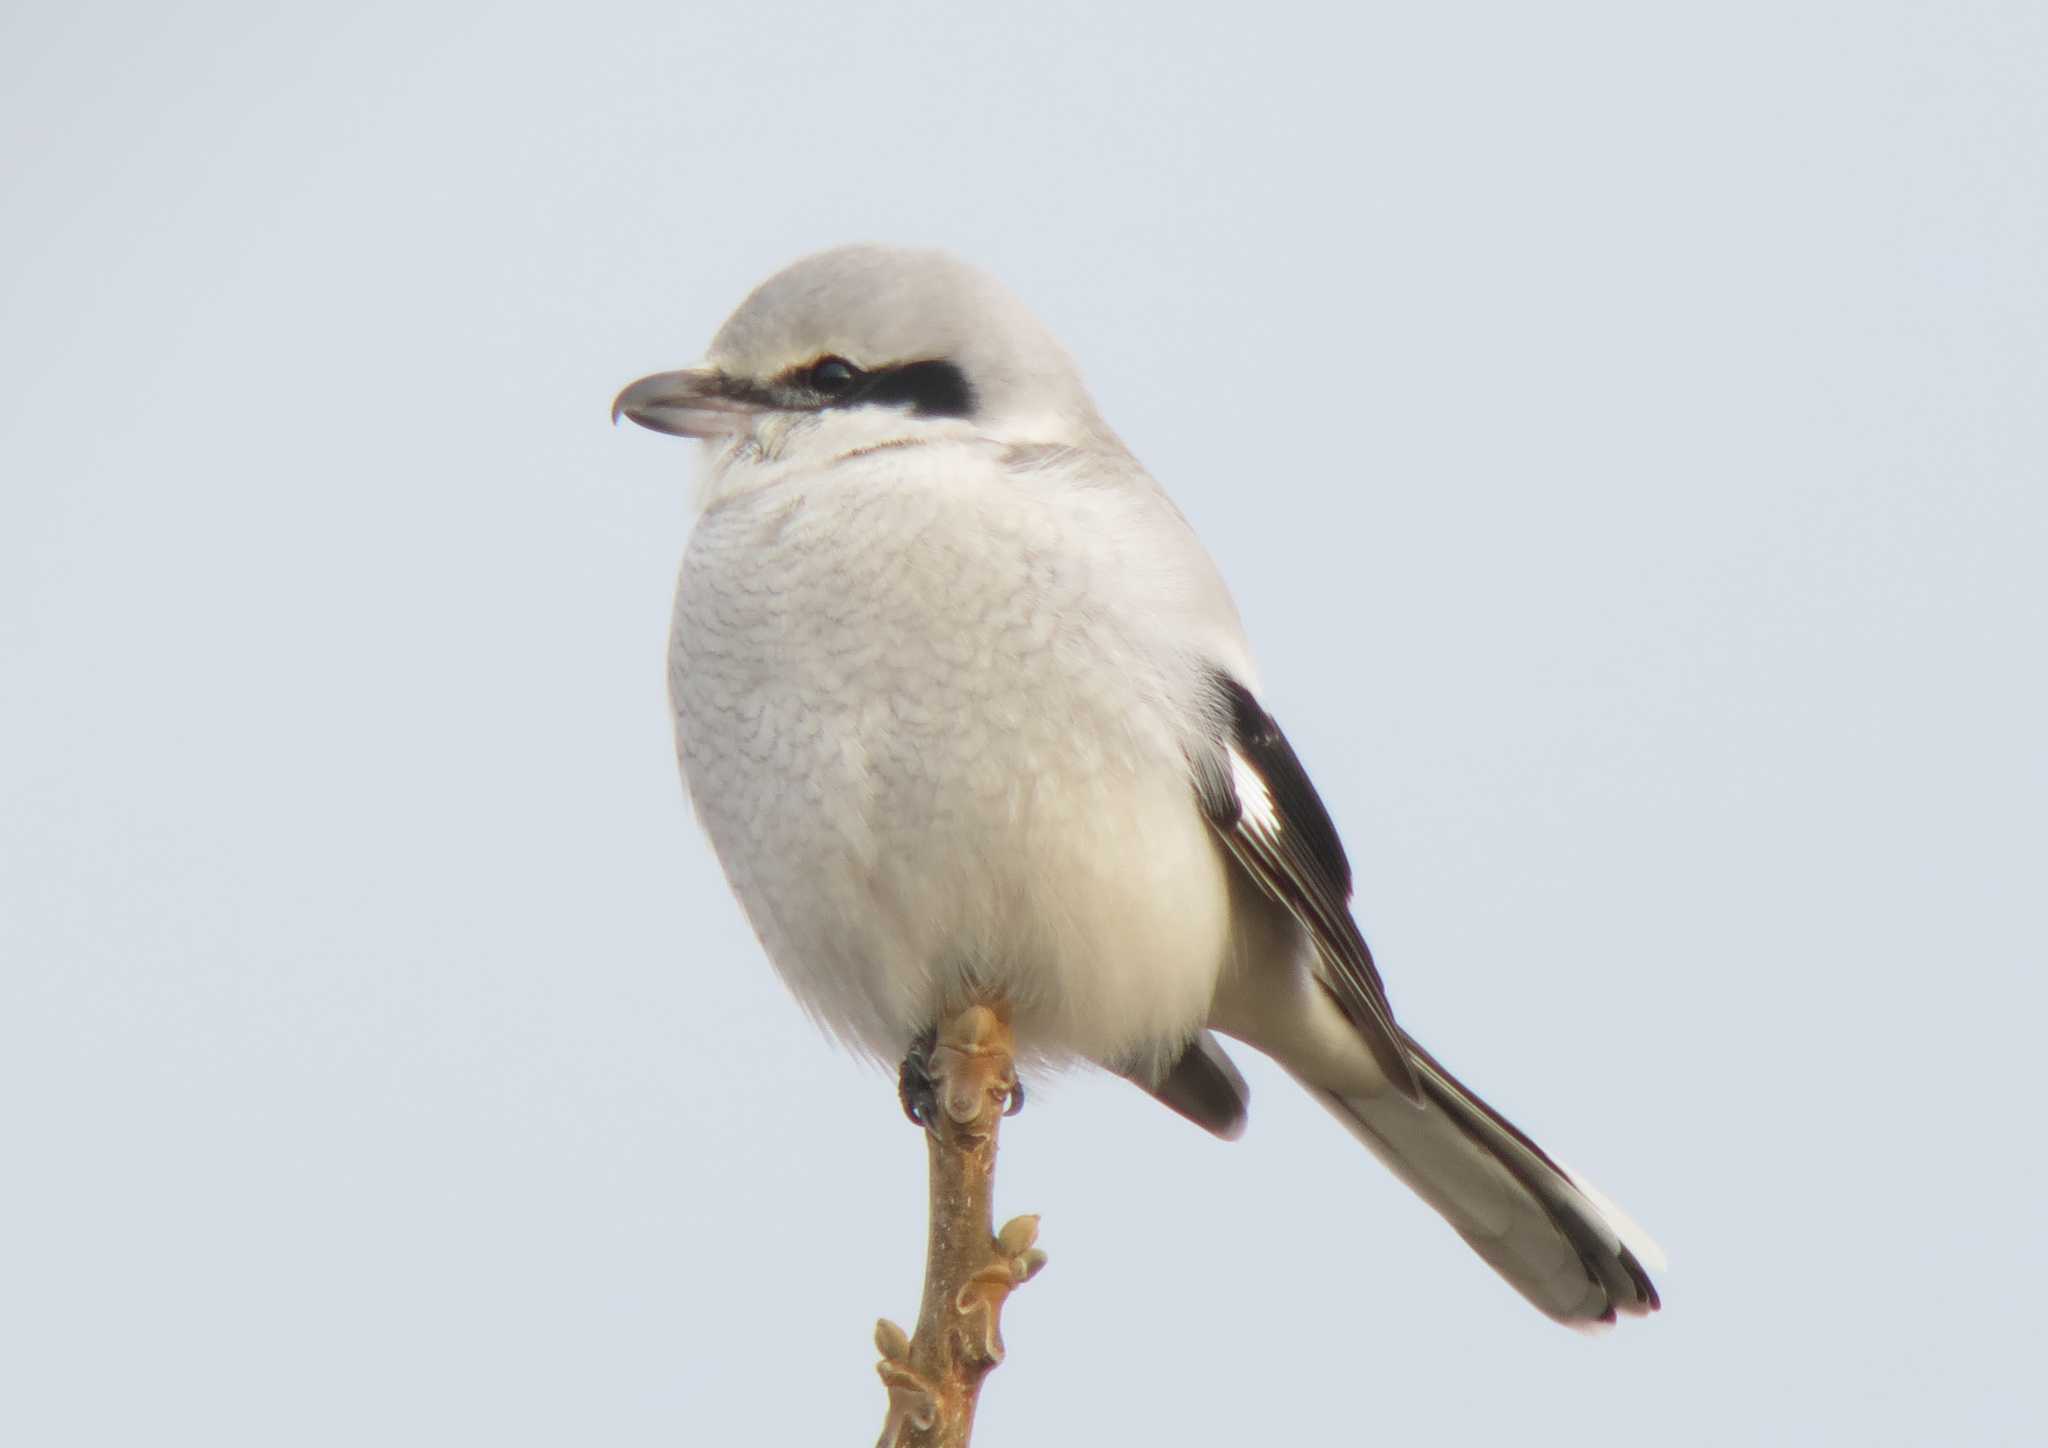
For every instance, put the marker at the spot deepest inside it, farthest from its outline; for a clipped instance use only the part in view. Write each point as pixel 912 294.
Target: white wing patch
pixel 1253 798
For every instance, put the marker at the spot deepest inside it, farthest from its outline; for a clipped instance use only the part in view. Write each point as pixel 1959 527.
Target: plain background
pixel 1623 427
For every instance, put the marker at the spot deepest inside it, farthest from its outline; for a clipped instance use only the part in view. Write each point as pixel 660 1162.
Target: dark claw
pixel 914 1080
pixel 1016 1102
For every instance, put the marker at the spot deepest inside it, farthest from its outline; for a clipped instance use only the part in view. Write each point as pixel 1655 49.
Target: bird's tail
pixel 1554 1237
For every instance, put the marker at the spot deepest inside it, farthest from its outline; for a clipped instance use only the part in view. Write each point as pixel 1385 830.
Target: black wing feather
pixel 1292 850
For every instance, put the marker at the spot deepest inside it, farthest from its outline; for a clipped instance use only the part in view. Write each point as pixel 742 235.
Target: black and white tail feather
pixel 1552 1236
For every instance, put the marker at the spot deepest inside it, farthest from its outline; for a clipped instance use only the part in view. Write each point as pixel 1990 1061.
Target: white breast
pixel 932 712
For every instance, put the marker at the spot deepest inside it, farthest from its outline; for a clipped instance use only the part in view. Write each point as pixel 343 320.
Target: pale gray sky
pixel 382 1059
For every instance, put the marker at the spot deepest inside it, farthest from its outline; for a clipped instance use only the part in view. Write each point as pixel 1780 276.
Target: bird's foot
pixel 914 1085
pixel 954 1073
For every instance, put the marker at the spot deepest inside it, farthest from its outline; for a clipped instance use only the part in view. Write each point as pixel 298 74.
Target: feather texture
pixel 1260 800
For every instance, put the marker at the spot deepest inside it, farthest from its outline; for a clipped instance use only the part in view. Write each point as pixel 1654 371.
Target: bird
pixel 968 714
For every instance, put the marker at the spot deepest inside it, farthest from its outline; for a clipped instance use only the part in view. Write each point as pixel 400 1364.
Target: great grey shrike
pixel 968 714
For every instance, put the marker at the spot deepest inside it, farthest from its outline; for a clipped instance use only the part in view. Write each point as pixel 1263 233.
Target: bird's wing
pixel 1205 1086
pixel 1259 799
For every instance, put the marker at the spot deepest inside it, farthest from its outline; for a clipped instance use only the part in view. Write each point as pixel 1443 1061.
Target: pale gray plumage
pixel 966 711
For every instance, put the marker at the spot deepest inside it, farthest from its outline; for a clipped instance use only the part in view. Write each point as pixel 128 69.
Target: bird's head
pixel 871 346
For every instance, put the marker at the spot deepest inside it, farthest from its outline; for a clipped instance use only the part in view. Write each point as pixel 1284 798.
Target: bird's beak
pixel 694 402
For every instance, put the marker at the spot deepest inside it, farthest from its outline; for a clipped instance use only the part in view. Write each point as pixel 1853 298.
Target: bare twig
pixel 934 1379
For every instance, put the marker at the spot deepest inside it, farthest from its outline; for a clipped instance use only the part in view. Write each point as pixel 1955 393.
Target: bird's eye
pixel 833 376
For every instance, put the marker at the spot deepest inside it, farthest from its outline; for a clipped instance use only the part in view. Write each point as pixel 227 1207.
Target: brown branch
pixel 934 1379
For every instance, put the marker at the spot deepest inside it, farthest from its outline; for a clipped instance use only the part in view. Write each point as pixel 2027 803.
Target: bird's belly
pixel 932 773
